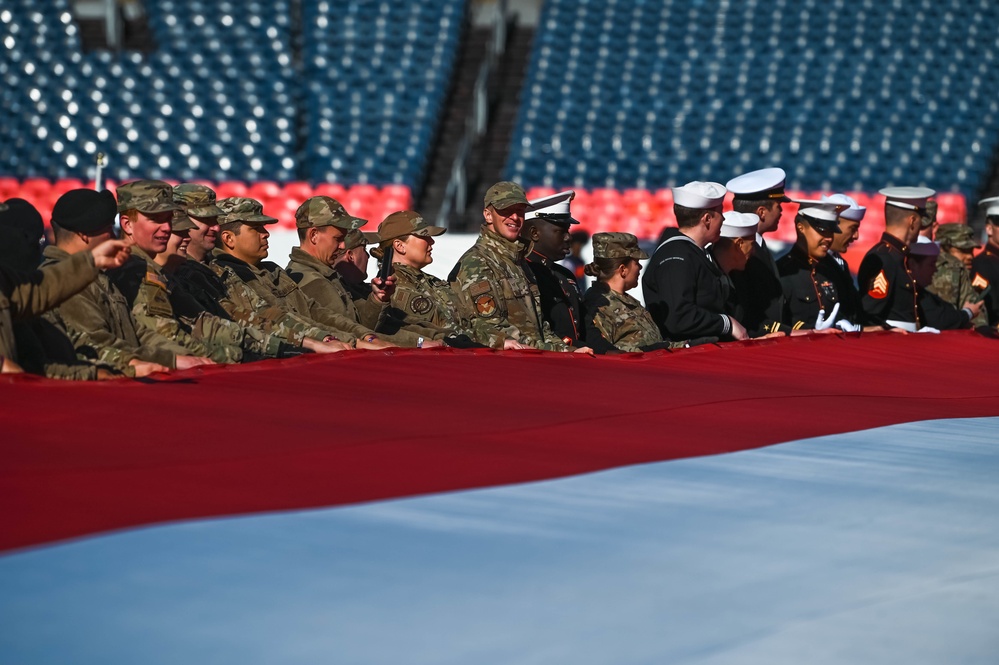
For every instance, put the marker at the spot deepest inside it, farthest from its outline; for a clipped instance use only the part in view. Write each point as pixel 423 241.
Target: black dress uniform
pixel 807 289
pixel 887 288
pixel 685 291
pixel 838 271
pixel 760 293
pixel 986 269
pixel 936 312
pixel 560 301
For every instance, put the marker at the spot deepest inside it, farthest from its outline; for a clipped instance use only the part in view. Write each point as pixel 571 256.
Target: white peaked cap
pixel 739 224
pixel 855 212
pixel 911 198
pixel 761 184
pixel 699 195
pixel 554 207
pixel 991 205
pixel 924 247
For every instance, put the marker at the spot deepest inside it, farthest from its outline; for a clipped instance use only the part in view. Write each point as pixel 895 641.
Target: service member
pixel 952 279
pixel 546 233
pixel 420 301
pixel 986 264
pixel 835 266
pixel 811 299
pixel 490 281
pixel 685 292
pixel 935 314
pixel 761 193
pixel 928 224
pixel 888 290
pixel 731 252
pixel 615 321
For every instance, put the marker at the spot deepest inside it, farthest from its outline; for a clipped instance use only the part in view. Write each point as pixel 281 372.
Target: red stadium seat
pixel 225 190
pixel 399 193
pixel 334 190
pixel 265 189
pixel 9 188
pixel 298 191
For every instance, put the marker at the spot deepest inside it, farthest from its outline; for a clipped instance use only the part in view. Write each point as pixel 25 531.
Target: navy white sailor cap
pixel 699 195
pixel 554 208
pixel 924 247
pixel 823 216
pixel 854 211
pixel 991 205
pixel 910 198
pixel 739 224
pixel 764 184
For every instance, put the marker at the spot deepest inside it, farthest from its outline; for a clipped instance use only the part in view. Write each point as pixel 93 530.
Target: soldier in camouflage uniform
pixel 242 248
pixel 491 283
pixel 952 279
pixel 615 321
pixel 146 210
pixel 322 226
pixel 420 302
pixel 99 318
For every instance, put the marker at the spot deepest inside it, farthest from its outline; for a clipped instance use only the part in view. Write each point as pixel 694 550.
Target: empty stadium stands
pixel 844 94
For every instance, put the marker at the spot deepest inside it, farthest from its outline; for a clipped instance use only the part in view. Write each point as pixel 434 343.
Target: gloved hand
pixel 822 323
pixel 846 326
pixel 928 329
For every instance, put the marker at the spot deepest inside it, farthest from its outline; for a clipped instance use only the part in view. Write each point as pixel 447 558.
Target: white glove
pixel 822 323
pixel 846 326
pixel 928 329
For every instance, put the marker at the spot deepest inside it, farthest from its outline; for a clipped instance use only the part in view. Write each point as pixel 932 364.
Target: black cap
pixel 85 211
pixel 21 216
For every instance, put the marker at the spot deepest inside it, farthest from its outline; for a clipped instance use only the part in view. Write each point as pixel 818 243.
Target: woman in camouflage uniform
pixel 420 302
pixel 615 321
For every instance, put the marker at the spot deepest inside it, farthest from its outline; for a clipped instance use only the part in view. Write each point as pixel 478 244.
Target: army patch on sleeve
pixel 420 305
pixel 879 287
pixel 979 283
pixel 479 288
pixel 485 305
pixel 153 278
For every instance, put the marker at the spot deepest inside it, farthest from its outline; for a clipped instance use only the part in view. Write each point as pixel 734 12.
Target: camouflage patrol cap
pixel 357 238
pixel 960 236
pixel 617 246
pixel 146 196
pixel 326 211
pixel 404 223
pixel 927 220
pixel 505 194
pixel 181 222
pixel 242 209
pixel 197 200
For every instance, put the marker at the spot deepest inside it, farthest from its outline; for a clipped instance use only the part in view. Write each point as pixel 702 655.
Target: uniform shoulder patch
pixel 479 288
pixel 979 282
pixel 152 277
pixel 879 287
pixel 420 305
pixel 485 305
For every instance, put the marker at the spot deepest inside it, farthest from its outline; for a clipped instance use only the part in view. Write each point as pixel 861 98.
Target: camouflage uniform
pixel 616 321
pixel 152 297
pixel 23 296
pixel 495 294
pixel 423 300
pixel 101 326
pixel 952 282
pixel 272 284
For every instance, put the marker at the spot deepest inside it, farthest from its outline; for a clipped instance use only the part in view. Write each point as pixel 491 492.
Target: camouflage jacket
pixel 278 289
pixel 496 295
pixel 422 301
pixel 101 326
pixel 23 296
pixel 45 347
pixel 322 284
pixel 154 298
pixel 952 284
pixel 617 321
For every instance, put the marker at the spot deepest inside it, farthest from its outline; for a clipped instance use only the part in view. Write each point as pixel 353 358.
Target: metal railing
pixel 476 122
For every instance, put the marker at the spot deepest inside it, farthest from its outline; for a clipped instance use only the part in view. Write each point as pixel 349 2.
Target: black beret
pixel 85 211
pixel 22 216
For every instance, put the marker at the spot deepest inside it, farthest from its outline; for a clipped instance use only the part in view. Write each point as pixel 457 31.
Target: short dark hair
pixel 895 216
pixel 60 234
pixel 687 217
pixel 751 206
